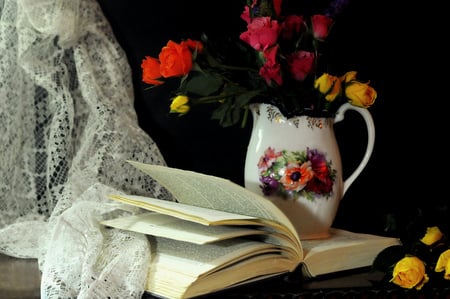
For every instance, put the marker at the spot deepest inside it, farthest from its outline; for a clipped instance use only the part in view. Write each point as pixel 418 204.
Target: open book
pixel 219 235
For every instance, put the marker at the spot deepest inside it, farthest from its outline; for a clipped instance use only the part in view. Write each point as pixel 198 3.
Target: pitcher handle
pixel 370 139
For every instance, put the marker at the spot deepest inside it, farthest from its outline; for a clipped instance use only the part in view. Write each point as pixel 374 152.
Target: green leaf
pixel 224 114
pixel 203 84
pixel 212 61
pixel 232 110
pixel 388 257
pixel 245 98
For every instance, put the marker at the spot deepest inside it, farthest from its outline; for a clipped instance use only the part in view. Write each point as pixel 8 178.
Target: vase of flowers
pixel 296 163
pixel 278 59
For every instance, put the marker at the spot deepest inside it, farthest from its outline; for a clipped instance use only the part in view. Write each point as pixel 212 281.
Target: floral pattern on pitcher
pixel 292 173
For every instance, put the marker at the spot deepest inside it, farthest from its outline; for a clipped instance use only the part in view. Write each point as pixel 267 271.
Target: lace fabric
pixel 68 126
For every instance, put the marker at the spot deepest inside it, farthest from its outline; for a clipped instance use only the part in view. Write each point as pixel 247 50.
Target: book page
pixel 161 225
pixel 197 189
pixel 273 232
pixel 344 250
pixel 184 211
pixel 216 193
pixel 175 266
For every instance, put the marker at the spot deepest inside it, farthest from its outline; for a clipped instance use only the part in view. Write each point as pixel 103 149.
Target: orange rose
pixel 150 71
pixel 409 273
pixel 194 45
pixel 176 60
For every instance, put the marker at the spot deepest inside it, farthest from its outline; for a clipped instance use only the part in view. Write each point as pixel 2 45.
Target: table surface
pixel 20 279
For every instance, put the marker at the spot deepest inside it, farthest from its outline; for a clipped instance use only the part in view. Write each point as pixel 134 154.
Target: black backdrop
pixel 400 49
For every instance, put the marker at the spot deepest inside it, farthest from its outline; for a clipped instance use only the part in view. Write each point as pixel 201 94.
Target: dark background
pixel 400 49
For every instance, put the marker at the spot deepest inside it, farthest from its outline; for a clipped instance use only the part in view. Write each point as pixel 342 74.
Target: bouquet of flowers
pixel 279 58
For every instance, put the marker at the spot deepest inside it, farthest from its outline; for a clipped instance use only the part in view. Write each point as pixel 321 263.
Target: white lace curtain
pixel 68 125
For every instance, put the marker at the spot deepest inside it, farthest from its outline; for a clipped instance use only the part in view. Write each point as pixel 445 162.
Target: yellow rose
pixel 443 263
pixel 360 94
pixel 409 272
pixel 180 105
pixel 432 235
pixel 349 76
pixel 328 85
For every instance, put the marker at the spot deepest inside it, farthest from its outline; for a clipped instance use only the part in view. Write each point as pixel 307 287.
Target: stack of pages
pixel 220 235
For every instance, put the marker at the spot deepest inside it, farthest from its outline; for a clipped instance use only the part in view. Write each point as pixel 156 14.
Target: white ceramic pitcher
pixel 296 163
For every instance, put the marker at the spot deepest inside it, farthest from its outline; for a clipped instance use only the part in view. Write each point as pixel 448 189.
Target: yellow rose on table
pixel 432 235
pixel 409 273
pixel 443 263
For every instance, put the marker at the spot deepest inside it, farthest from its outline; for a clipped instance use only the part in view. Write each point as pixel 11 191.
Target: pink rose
pixel 291 26
pixel 246 14
pixel 277 7
pixel 300 64
pixel 271 70
pixel 321 26
pixel 262 33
